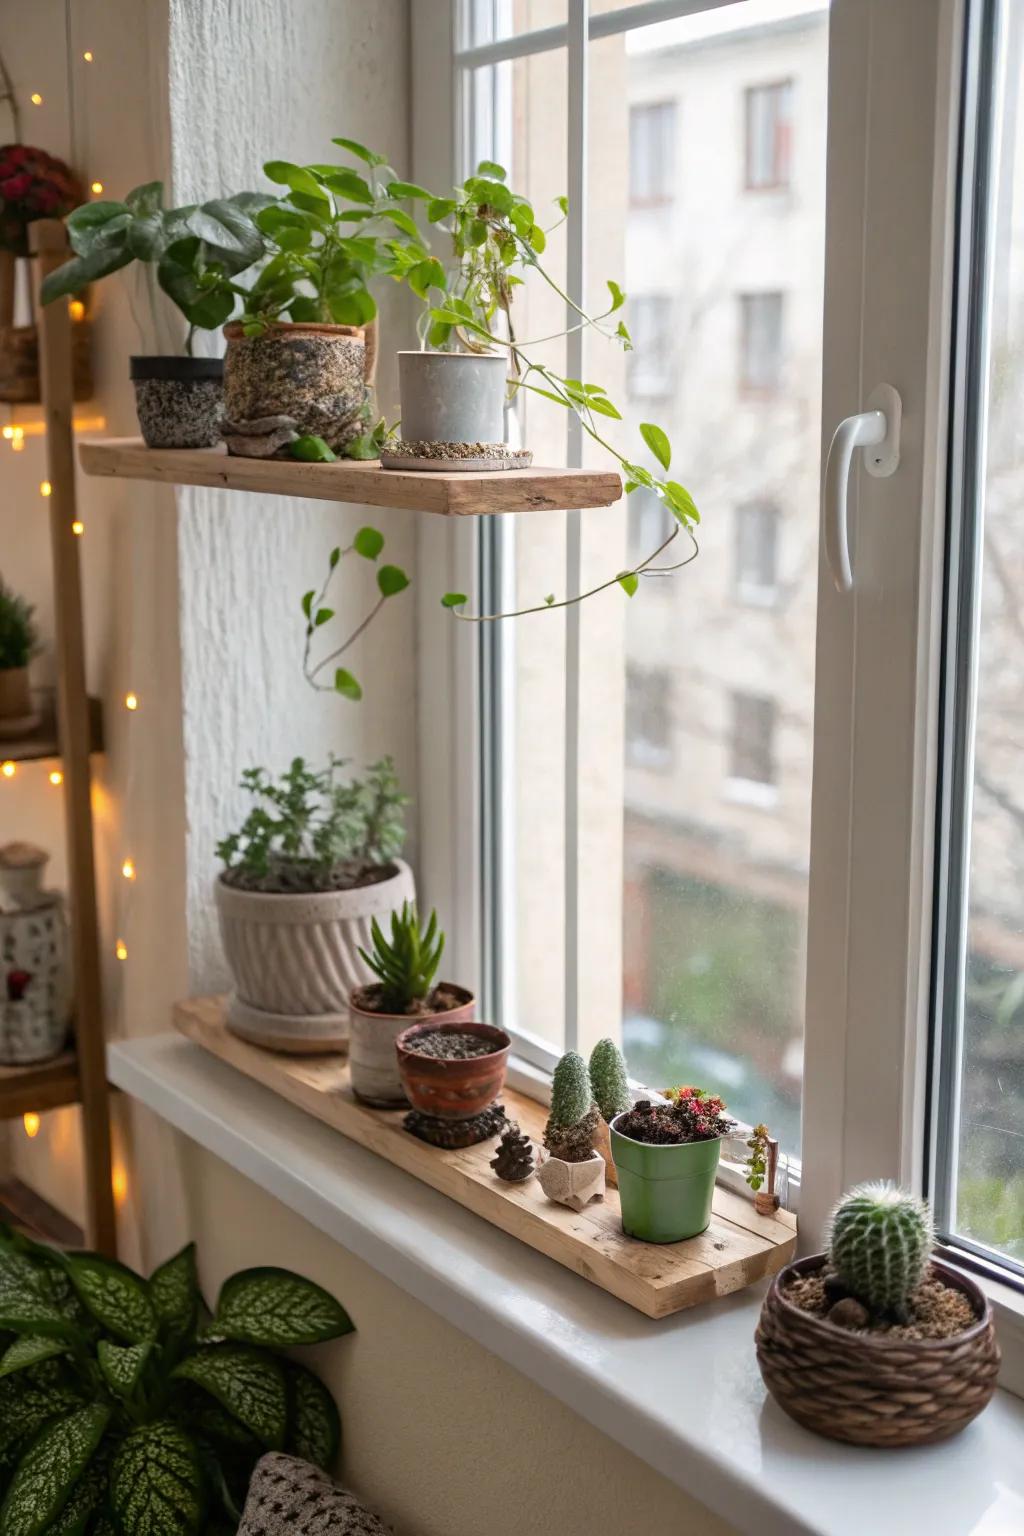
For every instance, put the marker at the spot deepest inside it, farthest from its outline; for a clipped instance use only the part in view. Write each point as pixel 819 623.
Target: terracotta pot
pixel 15 698
pixel 313 376
pixel 374 1065
pixel 573 1184
pixel 295 958
pixel 453 1090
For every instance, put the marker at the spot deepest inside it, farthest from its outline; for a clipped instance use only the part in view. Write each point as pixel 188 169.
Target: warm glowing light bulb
pixel 121 950
pixel 7 769
pixel 131 701
pixel 30 1121
pixel 87 55
pixel 76 309
pixel 36 99
pixel 128 869
pixel 17 440
pixel 78 527
pixel 97 187
pixel 8 433
pixel 119 1183
pixel 45 488
pixel 56 777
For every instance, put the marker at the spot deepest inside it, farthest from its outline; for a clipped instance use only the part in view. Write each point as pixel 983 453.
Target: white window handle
pixel 877 431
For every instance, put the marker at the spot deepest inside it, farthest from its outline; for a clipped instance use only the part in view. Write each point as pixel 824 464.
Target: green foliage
pixel 757 1159
pixel 408 964
pixel 155 1437
pixel 609 1079
pixel 368 543
pixel 18 635
pixel 880 1240
pixel 315 830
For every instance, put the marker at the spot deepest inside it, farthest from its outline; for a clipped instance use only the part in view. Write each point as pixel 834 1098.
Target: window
pixel 650 362
pixel 752 741
pixel 652 153
pixel 760 343
pixel 650 523
pixel 757 528
pixel 648 717
pixel 769 128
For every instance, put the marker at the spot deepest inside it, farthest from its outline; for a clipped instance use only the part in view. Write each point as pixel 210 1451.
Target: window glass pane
pixel 769 133
pixel 490 21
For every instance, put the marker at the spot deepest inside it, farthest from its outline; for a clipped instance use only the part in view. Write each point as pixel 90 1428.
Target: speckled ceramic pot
pixel 295 958
pixel 35 982
pixel 179 400
pixel 312 375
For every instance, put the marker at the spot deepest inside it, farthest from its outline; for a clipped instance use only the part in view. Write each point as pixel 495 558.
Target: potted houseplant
pixel 875 1342
pixel 405 992
pixel 609 1084
pixel 315 859
pixel 573 1172
pixel 195 254
pixel 18 644
pixel 666 1157
pixel 125 1407
pixel 453 1074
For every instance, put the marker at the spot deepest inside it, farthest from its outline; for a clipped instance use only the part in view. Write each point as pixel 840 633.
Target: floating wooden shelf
pixel 43 742
pixel 451 495
pixel 738 1247
pixel 47 1085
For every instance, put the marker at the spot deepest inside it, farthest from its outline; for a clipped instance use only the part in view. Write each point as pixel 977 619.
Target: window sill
pixel 628 1376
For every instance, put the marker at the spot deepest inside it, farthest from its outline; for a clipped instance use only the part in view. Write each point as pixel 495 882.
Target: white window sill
pixel 683 1394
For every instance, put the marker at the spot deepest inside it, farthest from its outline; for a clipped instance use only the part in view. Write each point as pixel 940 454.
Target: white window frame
pixel 894 79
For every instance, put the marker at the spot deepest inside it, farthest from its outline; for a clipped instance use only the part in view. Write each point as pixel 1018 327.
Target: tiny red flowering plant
pixel 690 1115
pixel 33 185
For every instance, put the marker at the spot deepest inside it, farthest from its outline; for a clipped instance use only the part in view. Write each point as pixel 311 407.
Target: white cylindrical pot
pixel 35 982
pixel 452 397
pixel 295 957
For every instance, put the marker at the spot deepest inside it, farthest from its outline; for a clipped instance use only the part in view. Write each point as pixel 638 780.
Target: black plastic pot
pixel 179 400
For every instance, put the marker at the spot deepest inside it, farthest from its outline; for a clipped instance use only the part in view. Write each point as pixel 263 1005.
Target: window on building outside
pixel 757 537
pixel 769 134
pixel 649 375
pixel 752 743
pixel 761 342
pixel 648 717
pixel 652 153
pixel 650 523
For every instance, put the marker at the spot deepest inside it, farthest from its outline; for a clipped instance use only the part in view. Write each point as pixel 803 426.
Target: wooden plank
pixel 738 1247
pixel 44 743
pixel 49 243
pixel 48 1085
pixel 450 495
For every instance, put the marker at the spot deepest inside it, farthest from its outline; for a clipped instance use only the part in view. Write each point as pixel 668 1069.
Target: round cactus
pixel 608 1079
pixel 880 1240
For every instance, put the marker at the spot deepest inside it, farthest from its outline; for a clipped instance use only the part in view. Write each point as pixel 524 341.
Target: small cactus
pixel 608 1079
pixel 880 1240
pixel 573 1120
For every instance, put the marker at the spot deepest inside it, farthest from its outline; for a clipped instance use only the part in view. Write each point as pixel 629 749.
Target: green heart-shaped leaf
pixel 314 1425
pixel 122 1365
pixel 391 579
pixel 278 1308
pixel 368 542
pixel 156 1483
pixel 30 1349
pixel 49 1470
pixel 116 1296
pixel 347 685
pixel 174 1290
pixel 248 1384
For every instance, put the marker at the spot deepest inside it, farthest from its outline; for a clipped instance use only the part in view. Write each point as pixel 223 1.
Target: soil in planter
pixel 669 1125
pixel 935 1310
pixel 442 1000
pixel 451 1045
pixel 297 877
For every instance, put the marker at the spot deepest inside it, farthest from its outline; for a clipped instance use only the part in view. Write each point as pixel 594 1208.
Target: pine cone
pixel 513 1160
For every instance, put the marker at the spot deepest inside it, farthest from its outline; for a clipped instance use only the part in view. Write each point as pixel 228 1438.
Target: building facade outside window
pixel 769 136
pixel 761 322
pixel 652 153
pixel 649 717
pixel 756 554
pixel 649 365
pixel 752 743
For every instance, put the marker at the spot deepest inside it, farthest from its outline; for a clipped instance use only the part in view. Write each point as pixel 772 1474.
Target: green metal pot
pixel 665 1191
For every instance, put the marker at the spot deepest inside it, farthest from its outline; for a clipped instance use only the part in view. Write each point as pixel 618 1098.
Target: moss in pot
pixel 19 641
pixel 313 864
pixel 196 256
pixel 404 993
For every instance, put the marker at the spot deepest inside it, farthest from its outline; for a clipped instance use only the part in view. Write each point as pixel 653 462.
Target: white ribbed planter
pixel 295 958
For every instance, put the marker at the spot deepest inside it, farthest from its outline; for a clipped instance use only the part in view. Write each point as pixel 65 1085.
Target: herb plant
pixel 406 966
pixel 391 579
pixel 757 1157
pixel 18 634
pixel 125 1408
pixel 573 1120
pixel 316 830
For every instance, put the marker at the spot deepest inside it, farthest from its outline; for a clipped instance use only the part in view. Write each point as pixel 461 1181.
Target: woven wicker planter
pixel 868 1389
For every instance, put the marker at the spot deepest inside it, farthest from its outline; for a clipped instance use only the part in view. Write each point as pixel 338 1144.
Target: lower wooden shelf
pixel 738 1247
pixel 48 1085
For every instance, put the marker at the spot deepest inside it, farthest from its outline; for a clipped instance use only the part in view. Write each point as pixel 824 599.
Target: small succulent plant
pixel 574 1117
pixel 408 964
pixel 880 1240
pixel 609 1080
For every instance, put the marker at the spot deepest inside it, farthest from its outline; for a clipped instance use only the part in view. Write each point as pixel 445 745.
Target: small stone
pixel 848 1313
pixel 835 1288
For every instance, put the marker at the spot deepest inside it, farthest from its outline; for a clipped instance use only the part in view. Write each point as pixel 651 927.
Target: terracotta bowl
pixel 452 1090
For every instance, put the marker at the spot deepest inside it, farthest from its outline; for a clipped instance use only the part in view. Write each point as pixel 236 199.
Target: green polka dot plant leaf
pixel 274 1307
pixel 174 1289
pixel 156 1483
pixel 29 1349
pixel 248 1384
pixel 122 1365
pixel 116 1297
pixel 29 1398
pixel 314 1425
pixel 24 1308
pixel 49 1470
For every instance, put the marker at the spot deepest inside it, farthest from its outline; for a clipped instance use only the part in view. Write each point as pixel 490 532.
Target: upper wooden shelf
pixel 452 495
pixel 46 1085
pixel 43 741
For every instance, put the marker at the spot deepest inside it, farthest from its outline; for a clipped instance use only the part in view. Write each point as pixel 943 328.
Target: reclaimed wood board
pixel 367 484
pixel 738 1247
